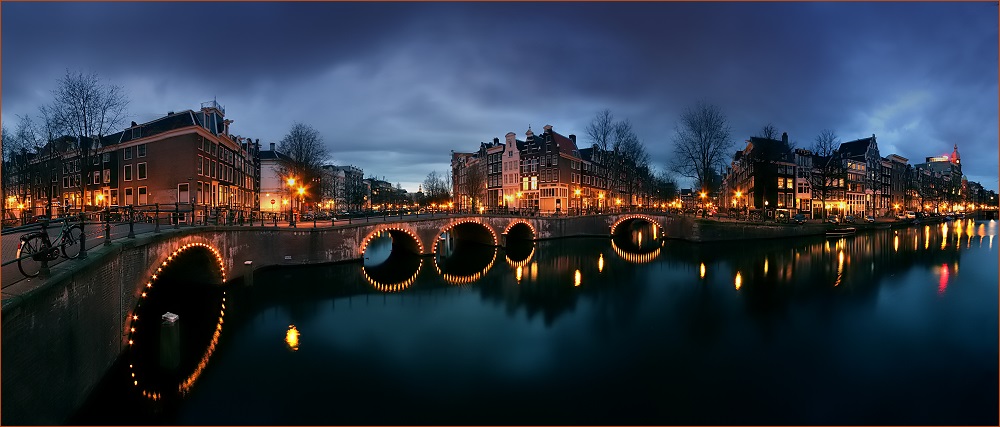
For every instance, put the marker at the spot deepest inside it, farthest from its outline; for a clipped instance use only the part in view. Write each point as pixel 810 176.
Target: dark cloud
pixel 394 87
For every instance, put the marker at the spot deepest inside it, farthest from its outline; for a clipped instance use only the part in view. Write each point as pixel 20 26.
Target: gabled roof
pixel 272 155
pixel 769 149
pixel 161 125
pixel 565 144
pixel 587 153
pixel 856 148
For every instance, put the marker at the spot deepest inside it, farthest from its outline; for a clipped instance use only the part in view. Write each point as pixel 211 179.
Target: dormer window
pixel 136 132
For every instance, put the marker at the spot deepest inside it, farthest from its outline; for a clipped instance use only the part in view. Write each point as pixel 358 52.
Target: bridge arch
pixel 403 236
pixel 520 229
pixel 143 383
pixel 475 226
pixel 625 219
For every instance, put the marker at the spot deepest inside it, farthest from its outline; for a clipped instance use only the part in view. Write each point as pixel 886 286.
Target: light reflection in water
pixel 576 278
pixel 739 280
pixel 765 265
pixel 840 268
pixel 600 264
pixel 702 270
pixel 895 243
pixel 943 279
pixel 518 274
pixel 292 338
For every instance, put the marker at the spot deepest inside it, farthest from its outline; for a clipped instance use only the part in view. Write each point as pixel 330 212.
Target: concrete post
pixel 170 341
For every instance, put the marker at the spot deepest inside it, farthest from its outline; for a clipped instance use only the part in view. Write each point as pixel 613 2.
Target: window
pixel 183 195
pixel 128 195
pixel 214 164
pixel 114 197
pixel 65 181
pixel 97 177
pixel 107 176
pixel 201 194
pixel 141 150
pixel 128 153
pixel 136 132
pixel 128 172
pixel 142 170
pixel 107 157
pixel 142 195
pixel 198 165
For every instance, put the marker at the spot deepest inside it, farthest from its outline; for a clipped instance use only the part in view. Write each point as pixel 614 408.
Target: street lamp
pixel 291 206
pixel 703 204
pixel 579 204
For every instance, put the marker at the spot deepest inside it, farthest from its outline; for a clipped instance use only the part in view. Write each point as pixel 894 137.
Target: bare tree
pixel 620 154
pixel 701 143
pixel 475 183
pixel 601 129
pixel 828 171
pixel 87 109
pixel 306 153
pixel 769 131
pixel 436 190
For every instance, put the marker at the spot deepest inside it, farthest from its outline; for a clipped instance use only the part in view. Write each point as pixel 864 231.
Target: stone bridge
pixel 62 334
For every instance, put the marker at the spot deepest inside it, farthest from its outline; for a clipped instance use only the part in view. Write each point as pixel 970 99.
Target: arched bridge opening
pixel 519 241
pixel 176 324
pixel 519 231
pixel 636 234
pixel 391 258
pixel 465 249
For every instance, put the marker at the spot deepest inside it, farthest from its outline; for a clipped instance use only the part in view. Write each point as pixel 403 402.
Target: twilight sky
pixel 393 87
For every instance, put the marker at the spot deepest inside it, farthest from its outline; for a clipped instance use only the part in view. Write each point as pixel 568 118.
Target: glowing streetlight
pixel 579 205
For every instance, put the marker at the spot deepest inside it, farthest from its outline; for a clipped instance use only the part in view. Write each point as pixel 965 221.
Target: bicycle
pixel 35 248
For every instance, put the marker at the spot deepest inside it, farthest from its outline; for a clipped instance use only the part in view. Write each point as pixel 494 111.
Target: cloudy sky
pixel 394 87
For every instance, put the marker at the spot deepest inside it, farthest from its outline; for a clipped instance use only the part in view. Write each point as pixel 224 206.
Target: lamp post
pixel 302 199
pixel 579 201
pixel 518 202
pixel 703 204
pixel 291 206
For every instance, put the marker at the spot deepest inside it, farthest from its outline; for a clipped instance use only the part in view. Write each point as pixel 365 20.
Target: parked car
pixel 870 219
pixel 911 215
pixel 833 219
pixel 849 219
pixel 799 218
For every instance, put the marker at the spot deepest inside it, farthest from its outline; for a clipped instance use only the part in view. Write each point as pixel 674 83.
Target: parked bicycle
pixel 35 248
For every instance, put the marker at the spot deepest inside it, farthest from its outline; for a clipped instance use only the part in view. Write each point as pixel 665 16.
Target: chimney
pixel 547 128
pixel 784 138
pixel 272 146
pixel 572 138
pixel 496 141
pixel 170 113
pixel 134 124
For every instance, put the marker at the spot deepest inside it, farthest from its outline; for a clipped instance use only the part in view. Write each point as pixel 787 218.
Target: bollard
pixel 314 220
pixel 157 229
pixel 83 236
pixel 170 341
pixel 192 216
pixel 177 216
pixel 107 226
pixel 131 222
pixel 248 275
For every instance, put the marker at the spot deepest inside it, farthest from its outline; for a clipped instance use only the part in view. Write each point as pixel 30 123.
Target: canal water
pixel 887 327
